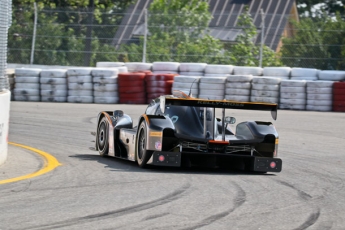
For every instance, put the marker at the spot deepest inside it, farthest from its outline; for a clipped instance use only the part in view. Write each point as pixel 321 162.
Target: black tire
pixel 102 137
pixel 142 154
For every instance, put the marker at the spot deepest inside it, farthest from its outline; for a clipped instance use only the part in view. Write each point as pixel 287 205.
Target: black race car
pixel 178 130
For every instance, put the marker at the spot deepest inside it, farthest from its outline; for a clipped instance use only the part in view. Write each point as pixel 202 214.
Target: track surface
pixel 91 192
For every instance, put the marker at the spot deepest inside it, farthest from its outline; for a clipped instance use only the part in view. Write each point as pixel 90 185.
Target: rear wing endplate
pixel 195 102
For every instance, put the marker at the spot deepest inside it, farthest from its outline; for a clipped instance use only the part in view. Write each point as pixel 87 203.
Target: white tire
pixel 213 92
pixel 280 77
pixel 277 71
pixel 105 94
pixel 53 87
pixel 78 93
pixel 80 86
pixel 248 70
pixel 210 97
pixel 53 99
pixel 27 86
pixel 320 102
pixel 293 101
pixel 319 107
pixel 105 87
pixel 186 90
pixel 265 87
pixel 105 80
pixel 23 79
pixel 293 83
pixel 57 93
pixel 332 75
pixel 267 81
pixel 27 72
pixel 212 86
pixel 264 99
pixel 238 85
pixel 304 72
pixel 319 90
pixel 54 81
pixel 192 67
pixel 320 84
pixel 50 73
pixel 292 89
pixel 26 98
pixel 304 78
pixel 80 79
pixel 213 80
pixel 165 66
pixel 219 69
pixel 216 75
pixel 237 98
pixel 264 93
pixel 197 74
pixel 292 106
pixel 293 95
pixel 240 92
pixel 317 96
pixel 26 92
pixel 186 79
pixel 122 69
pixel 239 78
pixel 138 66
pixel 106 64
pixel 104 72
pixel 106 100
pixel 80 71
pixel 164 72
pixel 185 85
pixel 80 99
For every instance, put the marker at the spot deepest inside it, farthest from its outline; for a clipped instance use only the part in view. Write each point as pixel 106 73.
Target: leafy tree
pixel 311 8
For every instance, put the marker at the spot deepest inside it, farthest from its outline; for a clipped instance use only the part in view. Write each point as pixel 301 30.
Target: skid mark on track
pixel 237 202
pixel 310 221
pixel 177 194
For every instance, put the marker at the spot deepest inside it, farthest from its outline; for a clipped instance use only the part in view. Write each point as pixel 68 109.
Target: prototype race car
pixel 178 130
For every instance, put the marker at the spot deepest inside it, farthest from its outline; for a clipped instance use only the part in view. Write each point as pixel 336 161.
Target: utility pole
pixel 262 35
pixel 88 42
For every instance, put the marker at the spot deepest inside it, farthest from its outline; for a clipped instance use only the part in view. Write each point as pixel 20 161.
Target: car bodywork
pixel 181 130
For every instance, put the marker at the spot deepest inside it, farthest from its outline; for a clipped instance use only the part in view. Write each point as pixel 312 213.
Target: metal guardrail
pixel 5 22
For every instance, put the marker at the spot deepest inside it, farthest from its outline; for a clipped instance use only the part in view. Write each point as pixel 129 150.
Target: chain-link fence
pixel 5 21
pixel 85 36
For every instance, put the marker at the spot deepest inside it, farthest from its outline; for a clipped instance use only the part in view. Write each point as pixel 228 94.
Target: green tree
pixel 318 43
pixel 311 8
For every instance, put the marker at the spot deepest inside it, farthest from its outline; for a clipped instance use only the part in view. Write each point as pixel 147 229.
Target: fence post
pixel 34 35
pixel 145 36
pixel 262 35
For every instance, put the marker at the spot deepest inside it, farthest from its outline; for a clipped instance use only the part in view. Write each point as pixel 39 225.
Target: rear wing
pixel 225 104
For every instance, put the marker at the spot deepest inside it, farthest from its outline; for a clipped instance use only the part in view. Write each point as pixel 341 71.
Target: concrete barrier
pixel 5 97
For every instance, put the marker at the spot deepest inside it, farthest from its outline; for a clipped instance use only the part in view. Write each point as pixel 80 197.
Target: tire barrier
pixel 5 98
pixel 212 88
pixel 138 66
pixel 79 82
pixel 132 88
pixel 53 85
pixel 248 70
pixel 109 64
pixel 27 84
pixel 339 96
pixel 304 74
pixel 278 72
pixel 319 95
pixel 331 75
pixel 265 90
pixel 165 67
pixel 157 85
pixel 105 85
pixel 186 84
pixel 238 87
pixel 293 94
pixel 192 69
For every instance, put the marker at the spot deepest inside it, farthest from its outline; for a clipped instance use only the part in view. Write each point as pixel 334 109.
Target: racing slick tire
pixel 142 154
pixel 102 138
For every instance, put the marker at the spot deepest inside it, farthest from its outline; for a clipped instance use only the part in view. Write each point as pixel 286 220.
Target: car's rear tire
pixel 142 154
pixel 102 137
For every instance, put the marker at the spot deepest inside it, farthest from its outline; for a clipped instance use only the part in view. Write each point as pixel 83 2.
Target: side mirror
pixel 230 120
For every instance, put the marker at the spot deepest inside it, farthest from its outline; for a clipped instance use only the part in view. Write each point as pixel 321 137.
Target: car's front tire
pixel 102 137
pixel 142 154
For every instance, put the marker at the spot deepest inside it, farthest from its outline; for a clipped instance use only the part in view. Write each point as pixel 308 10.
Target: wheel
pixel 143 155
pixel 102 137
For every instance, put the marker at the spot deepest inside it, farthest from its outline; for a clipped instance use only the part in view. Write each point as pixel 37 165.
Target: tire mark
pixel 239 200
pixel 119 212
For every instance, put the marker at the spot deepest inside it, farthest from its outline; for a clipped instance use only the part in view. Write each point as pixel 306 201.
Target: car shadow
pixel 117 164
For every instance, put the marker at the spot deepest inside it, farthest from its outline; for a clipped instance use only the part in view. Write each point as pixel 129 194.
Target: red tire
pixel 337 97
pixel 132 95
pixel 150 84
pixel 133 89
pixel 339 85
pixel 165 90
pixel 339 103
pixel 126 83
pixel 131 76
pixel 160 77
pixel 338 91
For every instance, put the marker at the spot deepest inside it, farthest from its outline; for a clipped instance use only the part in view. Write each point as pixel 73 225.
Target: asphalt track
pixel 90 192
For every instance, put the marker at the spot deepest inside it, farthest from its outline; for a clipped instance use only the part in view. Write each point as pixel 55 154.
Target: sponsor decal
pixel 158 145
pixel 220 103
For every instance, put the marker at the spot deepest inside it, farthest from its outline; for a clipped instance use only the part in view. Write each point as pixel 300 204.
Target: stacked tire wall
pixel 339 96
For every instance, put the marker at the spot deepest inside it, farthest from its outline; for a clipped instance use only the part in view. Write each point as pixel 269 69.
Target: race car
pixel 179 130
